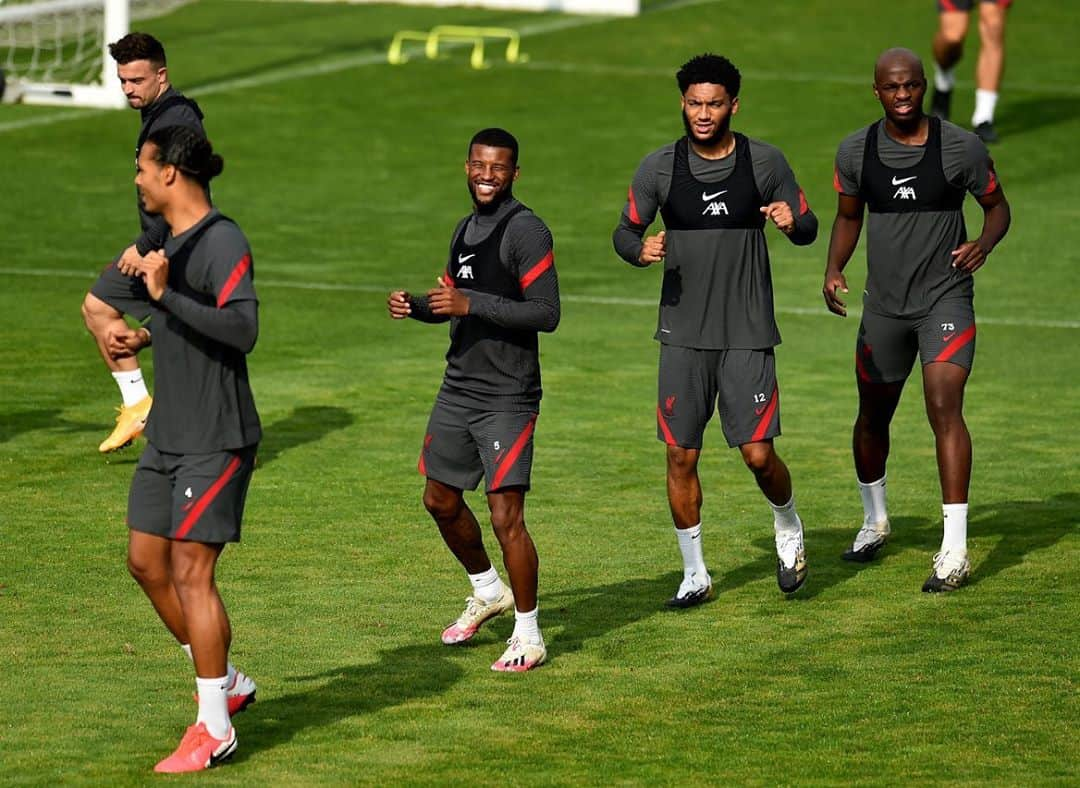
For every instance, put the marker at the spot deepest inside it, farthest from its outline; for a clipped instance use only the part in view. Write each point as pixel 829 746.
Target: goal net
pixel 56 51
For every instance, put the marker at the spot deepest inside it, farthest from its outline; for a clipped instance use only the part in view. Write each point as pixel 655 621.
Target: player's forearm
pixel 540 312
pixel 627 241
pixel 996 221
pixel 842 242
pixel 420 310
pixel 235 325
pixel 806 229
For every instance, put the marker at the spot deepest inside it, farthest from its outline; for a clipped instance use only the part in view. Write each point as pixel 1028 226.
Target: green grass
pixel 352 179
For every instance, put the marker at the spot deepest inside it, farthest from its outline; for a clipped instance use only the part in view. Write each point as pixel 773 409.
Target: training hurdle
pixel 459 34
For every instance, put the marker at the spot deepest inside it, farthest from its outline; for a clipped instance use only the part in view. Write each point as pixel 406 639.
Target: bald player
pixel 912 172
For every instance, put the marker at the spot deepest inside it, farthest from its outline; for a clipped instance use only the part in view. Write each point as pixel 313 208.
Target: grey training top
pixel 493 361
pixel 717 291
pixel 203 327
pixel 908 254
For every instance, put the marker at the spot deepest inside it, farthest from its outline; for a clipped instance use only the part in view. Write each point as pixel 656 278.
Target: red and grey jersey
pixel 203 327
pixel 170 109
pixel 717 289
pixel 914 195
pixel 504 262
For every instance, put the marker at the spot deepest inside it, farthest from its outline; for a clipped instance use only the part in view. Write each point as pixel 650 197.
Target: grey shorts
pixel 126 294
pixel 967 5
pixel 740 383
pixel 195 497
pixel 463 445
pixel 886 346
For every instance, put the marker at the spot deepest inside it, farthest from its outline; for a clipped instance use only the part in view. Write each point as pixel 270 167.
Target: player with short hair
pixel 143 73
pixel 948 46
pixel 912 172
pixel 189 488
pixel 716 190
pixel 498 291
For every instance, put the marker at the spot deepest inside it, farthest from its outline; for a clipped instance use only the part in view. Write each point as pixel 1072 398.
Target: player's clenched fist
pixel 155 272
pixel 398 305
pixel 780 214
pixel 654 249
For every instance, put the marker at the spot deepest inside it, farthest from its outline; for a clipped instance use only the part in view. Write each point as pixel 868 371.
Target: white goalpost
pixel 56 51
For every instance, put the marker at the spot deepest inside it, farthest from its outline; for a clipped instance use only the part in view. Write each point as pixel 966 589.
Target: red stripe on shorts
pixel 207 498
pixel 513 454
pixel 766 420
pixel 534 273
pixel 860 369
pixel 958 342
pixel 233 280
pixel 669 439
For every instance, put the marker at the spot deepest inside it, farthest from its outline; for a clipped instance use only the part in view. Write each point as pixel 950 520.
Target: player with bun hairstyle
pixel 187 495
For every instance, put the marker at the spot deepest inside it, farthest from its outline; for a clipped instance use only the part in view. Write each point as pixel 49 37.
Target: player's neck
pixel 185 215
pixel 720 149
pixel 914 132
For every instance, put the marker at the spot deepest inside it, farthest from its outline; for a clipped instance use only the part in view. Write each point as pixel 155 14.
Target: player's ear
pixel 735 105
pixel 517 172
pixel 169 174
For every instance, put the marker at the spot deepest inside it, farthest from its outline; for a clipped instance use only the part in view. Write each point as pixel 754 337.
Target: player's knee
pixel 681 462
pixel 97 314
pixel 146 573
pixel 759 457
pixel 440 504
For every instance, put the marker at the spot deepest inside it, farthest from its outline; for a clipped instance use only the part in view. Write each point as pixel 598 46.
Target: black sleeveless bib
pixel 922 187
pixel 478 267
pixel 733 203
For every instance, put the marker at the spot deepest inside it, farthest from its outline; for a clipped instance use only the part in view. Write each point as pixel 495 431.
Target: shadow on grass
pixel 304 425
pixel 398 676
pixel 1020 117
pixel 14 424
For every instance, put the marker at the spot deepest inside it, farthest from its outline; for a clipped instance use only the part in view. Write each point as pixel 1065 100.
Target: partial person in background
pixel 716 190
pixel 948 46
pixel 498 291
pixel 912 172
pixel 144 78
pixel 190 485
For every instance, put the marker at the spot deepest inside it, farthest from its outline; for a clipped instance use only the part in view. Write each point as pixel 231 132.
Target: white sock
pixel 690 547
pixel 231 676
pixel 785 518
pixel 944 78
pixel 487 586
pixel 527 626
pixel 213 705
pixel 954 537
pixel 132 387
pixel 873 501
pixel 985 104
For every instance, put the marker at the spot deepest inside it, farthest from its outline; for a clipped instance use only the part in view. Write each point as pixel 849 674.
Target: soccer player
pixel 189 487
pixel 144 77
pixel 498 291
pixel 716 190
pixel 948 47
pixel 912 172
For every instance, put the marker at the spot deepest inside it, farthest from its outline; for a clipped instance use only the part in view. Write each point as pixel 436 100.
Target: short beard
pixel 486 209
pixel 712 141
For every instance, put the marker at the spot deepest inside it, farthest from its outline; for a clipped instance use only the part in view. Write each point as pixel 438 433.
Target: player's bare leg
pixel 948 48
pixel 150 563
pixel 684 500
pixel 943 387
pixel 101 320
pixel 989 69
pixel 526 647
pixel 461 533
pixel 774 480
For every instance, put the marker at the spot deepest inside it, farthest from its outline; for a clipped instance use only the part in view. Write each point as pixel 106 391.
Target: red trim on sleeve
pixel 957 342
pixel 669 439
pixel 836 181
pixel 804 206
pixel 207 498
pixel 512 455
pixel 233 280
pixel 635 217
pixel 534 273
pixel 992 185
pixel 447 279
pixel 766 420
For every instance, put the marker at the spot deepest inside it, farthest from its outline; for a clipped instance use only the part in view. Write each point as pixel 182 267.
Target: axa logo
pixel 904 192
pixel 465 272
pixel 715 207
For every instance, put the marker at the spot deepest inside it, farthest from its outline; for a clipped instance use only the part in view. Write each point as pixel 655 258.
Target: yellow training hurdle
pixel 457 33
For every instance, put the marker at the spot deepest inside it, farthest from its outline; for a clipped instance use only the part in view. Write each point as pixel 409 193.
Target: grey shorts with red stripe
pixel 193 497
pixel 886 346
pixel 739 383
pixel 464 445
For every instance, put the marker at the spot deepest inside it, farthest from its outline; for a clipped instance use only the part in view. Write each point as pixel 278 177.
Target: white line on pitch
pixel 567 297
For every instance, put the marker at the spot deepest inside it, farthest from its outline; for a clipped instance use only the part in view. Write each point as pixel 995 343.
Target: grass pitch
pixel 346 175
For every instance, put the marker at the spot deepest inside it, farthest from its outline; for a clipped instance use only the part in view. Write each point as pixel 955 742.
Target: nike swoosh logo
pixel 758 411
pixel 897 181
pixel 947 337
pixel 461 258
pixel 707 197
